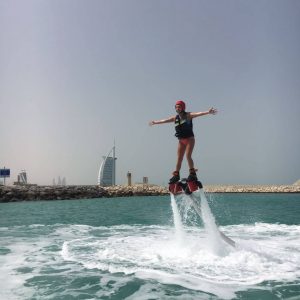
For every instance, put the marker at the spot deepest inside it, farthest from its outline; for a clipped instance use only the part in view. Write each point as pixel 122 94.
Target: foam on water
pixel 98 255
pixel 152 253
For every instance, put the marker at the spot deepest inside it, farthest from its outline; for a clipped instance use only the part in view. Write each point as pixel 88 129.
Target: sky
pixel 75 76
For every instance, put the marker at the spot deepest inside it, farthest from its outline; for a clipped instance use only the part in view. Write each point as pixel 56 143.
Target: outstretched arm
pixel 211 111
pixel 169 120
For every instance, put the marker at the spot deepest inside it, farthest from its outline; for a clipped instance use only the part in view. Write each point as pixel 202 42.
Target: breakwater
pixel 32 192
pixel 36 192
pixel 252 188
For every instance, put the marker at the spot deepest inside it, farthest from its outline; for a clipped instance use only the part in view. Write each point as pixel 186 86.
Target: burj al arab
pixel 107 170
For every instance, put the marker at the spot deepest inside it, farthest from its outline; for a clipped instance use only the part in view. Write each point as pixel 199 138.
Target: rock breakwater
pixel 32 193
pixel 252 188
pixel 35 193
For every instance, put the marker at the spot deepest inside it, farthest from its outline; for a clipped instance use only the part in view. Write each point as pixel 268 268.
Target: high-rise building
pixel 22 177
pixel 107 170
pixel 60 182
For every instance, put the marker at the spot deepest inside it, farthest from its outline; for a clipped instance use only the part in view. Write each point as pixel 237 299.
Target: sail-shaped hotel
pixel 107 170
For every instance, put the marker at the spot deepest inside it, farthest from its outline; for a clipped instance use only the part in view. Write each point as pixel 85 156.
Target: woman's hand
pixel 212 111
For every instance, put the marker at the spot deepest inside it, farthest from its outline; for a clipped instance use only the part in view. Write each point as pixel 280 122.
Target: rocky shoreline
pixel 252 188
pixel 35 193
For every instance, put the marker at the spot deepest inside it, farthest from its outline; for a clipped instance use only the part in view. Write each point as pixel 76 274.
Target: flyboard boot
pixel 175 186
pixel 193 184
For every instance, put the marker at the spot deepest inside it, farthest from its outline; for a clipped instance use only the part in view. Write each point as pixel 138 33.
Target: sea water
pixel 129 248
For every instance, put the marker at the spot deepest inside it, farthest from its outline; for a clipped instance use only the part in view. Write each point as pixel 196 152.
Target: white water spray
pixel 214 235
pixel 217 241
pixel 179 232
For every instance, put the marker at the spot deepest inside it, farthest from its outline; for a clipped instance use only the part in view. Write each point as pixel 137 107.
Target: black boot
pixel 175 177
pixel 193 175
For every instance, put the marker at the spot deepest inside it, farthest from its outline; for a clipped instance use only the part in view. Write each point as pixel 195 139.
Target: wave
pixel 265 253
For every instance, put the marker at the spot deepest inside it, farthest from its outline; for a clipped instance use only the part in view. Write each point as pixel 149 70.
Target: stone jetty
pixel 252 188
pixel 35 192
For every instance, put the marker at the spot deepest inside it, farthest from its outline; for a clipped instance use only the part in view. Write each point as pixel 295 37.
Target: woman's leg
pixel 188 152
pixel 180 153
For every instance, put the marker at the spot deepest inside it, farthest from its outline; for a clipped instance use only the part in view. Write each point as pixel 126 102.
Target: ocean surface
pixel 139 248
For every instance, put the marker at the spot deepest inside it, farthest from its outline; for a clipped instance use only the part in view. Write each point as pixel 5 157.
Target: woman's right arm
pixel 169 120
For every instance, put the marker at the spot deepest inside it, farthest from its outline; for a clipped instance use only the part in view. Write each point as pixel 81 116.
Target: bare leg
pixel 189 151
pixel 180 153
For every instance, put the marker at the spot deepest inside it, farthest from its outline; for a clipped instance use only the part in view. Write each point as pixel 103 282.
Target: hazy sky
pixel 75 75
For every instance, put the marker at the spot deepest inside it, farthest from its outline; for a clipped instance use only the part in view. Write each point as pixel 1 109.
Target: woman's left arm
pixel 211 111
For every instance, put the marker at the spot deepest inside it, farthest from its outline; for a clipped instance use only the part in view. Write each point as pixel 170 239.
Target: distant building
pixel 128 178
pixel 22 177
pixel 60 182
pixel 107 170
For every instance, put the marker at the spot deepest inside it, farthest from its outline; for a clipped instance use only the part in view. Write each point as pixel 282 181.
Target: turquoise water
pixel 128 248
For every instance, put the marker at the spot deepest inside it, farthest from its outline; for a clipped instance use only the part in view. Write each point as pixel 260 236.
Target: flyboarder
pixel 183 122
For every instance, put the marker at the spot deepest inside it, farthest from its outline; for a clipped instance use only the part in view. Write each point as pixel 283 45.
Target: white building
pixel 60 182
pixel 22 177
pixel 107 170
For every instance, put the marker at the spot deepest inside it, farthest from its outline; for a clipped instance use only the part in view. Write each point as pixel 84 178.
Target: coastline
pixel 36 193
pixel 252 188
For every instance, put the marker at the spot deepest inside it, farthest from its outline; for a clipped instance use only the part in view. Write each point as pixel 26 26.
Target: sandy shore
pixel 31 193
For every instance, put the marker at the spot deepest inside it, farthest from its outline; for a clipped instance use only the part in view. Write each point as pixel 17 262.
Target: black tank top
pixel 183 127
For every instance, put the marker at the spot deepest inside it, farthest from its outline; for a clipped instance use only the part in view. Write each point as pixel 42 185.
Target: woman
pixel 184 132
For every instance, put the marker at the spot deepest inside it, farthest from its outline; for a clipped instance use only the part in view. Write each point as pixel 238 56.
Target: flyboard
pixel 191 189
